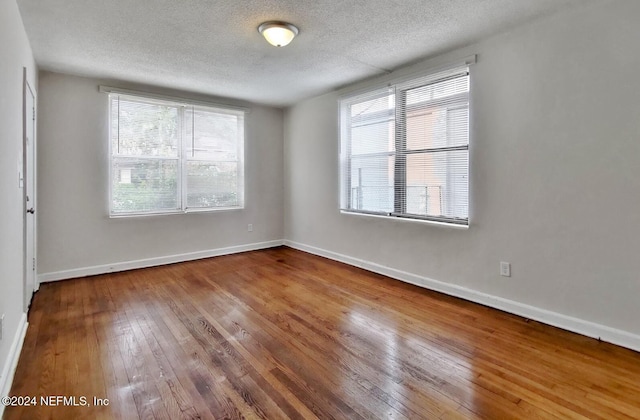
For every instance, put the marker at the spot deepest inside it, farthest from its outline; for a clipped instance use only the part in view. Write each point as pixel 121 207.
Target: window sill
pixel 166 213
pixel 408 220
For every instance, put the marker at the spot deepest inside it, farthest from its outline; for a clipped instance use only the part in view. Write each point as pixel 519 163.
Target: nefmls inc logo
pixel 57 400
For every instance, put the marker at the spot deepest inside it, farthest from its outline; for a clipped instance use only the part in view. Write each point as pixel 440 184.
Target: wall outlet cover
pixel 505 269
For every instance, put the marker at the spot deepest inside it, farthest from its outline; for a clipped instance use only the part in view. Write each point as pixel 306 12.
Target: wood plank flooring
pixel 279 333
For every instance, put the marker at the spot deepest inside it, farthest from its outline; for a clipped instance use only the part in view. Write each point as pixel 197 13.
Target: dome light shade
pixel 278 34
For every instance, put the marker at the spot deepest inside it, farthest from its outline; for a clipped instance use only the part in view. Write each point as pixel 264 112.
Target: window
pixel 170 157
pixel 405 149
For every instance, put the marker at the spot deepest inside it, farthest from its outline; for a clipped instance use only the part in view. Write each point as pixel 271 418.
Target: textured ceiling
pixel 213 47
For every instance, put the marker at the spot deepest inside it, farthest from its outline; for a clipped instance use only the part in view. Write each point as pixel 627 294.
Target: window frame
pixel 399 89
pixel 181 158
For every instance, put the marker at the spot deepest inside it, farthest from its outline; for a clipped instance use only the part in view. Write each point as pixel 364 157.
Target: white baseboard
pixel 10 365
pixel 580 326
pixel 152 262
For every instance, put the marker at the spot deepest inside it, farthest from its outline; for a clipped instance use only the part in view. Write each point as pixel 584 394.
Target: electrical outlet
pixel 505 269
pixel 250 227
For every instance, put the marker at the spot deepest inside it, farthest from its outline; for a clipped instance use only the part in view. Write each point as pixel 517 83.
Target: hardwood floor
pixel 283 334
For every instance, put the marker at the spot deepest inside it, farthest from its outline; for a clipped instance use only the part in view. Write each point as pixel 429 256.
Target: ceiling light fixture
pixel 278 34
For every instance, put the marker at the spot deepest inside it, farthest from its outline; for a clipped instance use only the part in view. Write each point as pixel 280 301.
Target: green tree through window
pixel 172 157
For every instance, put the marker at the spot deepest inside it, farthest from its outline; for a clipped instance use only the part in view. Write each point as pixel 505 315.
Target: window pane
pixel 371 125
pixel 144 129
pixel 440 90
pixel 438 127
pixel 212 184
pixel 376 106
pixel 373 137
pixel 437 184
pixel 144 185
pixel 113 130
pixel 371 186
pixel 212 135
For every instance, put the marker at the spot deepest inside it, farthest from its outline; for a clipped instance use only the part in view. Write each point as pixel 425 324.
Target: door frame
pixel 28 173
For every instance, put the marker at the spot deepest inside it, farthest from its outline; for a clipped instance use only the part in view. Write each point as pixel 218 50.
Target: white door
pixel 29 193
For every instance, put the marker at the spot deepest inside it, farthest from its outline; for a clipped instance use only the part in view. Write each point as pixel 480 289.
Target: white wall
pixel 74 230
pixel 555 174
pixel 15 53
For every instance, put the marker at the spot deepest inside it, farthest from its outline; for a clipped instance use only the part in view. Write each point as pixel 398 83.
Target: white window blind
pixel 168 157
pixel 405 149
